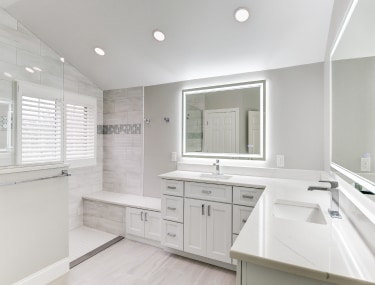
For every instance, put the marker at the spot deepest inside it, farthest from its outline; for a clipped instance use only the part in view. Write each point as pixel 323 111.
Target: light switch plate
pixel 280 162
pixel 173 156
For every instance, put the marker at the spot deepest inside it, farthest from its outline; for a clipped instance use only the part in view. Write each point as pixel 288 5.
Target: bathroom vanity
pixel 272 229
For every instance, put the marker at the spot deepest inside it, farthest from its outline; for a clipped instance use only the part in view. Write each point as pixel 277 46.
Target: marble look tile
pixel 19 40
pixel 70 85
pixel 8 53
pixel 134 263
pixel 18 72
pixel 51 80
pixel 48 65
pixel 104 216
pixel 6 90
pixel 46 51
pixel 7 20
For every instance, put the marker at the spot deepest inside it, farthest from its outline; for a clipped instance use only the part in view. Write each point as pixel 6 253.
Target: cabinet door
pixel 240 216
pixel 195 226
pixel 219 231
pixel 134 222
pixel 152 225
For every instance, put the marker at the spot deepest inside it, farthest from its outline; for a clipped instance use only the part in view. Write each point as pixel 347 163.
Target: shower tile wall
pixel 20 48
pixel 123 141
pixel 84 180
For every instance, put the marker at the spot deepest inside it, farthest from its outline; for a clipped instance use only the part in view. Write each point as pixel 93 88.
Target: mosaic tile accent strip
pixel 122 129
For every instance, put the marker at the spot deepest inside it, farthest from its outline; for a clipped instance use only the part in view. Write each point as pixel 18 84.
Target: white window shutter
pixel 39 123
pixel 80 129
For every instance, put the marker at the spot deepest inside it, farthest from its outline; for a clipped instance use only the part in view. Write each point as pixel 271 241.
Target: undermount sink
pixel 215 176
pixel 298 211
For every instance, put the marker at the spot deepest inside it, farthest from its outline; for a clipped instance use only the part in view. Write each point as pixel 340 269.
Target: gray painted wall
pixel 295 118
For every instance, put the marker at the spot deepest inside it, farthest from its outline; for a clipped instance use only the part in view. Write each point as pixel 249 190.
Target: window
pixel 80 129
pixel 39 119
pixel 54 130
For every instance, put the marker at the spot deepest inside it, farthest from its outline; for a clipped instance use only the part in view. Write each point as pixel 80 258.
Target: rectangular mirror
pixel 353 100
pixel 225 121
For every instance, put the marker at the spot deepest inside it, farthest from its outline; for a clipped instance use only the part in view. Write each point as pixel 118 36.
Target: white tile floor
pixel 84 239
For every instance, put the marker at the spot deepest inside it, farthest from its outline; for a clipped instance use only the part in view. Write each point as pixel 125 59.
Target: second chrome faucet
pixel 334 210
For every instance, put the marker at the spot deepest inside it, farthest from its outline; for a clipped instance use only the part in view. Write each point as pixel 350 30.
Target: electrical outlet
pixel 365 164
pixel 280 162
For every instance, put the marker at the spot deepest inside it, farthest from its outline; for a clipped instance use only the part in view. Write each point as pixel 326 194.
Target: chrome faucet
pixel 335 195
pixel 217 169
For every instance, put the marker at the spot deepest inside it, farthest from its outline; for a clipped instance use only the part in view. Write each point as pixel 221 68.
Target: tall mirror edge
pixel 358 181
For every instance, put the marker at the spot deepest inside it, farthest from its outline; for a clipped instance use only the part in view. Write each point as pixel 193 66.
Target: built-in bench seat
pixel 106 211
pixel 130 200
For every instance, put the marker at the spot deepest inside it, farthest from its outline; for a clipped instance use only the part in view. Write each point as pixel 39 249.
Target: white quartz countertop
pixel 332 252
pixel 121 199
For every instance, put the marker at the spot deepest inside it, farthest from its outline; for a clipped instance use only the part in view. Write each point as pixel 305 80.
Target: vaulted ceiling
pixel 202 37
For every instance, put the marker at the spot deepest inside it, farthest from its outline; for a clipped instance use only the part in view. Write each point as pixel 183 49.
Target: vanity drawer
pixel 246 196
pixel 172 187
pixel 172 208
pixel 240 215
pixel 172 235
pixel 211 192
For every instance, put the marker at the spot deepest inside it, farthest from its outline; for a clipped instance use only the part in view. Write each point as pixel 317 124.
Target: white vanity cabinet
pixel 207 229
pixel 143 223
pixel 202 218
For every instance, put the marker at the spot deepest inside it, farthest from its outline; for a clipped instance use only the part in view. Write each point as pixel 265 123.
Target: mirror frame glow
pixel 242 85
pixel 335 167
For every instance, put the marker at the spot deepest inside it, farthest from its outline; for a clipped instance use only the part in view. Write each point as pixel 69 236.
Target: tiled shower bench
pixel 131 216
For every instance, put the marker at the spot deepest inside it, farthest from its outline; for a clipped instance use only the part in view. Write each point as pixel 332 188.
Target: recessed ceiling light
pixel 7 74
pixel 99 51
pixel 241 15
pixel 62 59
pixel 37 68
pixel 29 69
pixel 159 35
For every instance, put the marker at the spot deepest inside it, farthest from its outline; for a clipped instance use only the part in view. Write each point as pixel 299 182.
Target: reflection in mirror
pixel 224 121
pixel 6 123
pixel 353 100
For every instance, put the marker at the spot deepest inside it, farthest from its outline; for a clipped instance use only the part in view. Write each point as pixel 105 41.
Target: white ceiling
pixel 203 40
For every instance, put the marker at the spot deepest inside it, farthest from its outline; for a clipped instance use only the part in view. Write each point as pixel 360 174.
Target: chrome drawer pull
pixel 202 209
pixel 209 210
pixel 171 235
pixel 244 220
pixel 171 208
pixel 172 187
pixel 207 192
pixel 247 197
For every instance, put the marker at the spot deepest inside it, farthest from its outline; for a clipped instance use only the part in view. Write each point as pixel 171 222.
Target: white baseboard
pixel 46 274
